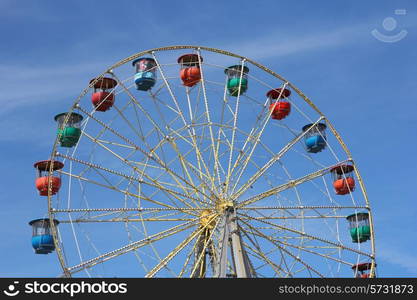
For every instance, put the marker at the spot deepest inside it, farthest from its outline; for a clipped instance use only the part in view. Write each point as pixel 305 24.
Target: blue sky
pixel 366 87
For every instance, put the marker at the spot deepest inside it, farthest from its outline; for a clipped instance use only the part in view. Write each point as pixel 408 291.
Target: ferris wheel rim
pixel 137 55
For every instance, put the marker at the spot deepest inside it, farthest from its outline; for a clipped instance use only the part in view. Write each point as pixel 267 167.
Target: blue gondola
pixel 315 138
pixel 42 239
pixel 145 76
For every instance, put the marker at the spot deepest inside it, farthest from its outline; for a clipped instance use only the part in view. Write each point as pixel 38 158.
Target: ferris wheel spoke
pixel 142 109
pixel 286 186
pixel 171 255
pixel 142 137
pixel 255 144
pixel 283 260
pixel 155 127
pixel 199 156
pixel 192 211
pixel 197 171
pixel 158 101
pixel 244 216
pixel 188 258
pixel 130 215
pixel 136 252
pixel 103 130
pixel 250 231
pixel 126 219
pixel 111 187
pixel 302 207
pixel 210 126
pixel 241 154
pixel 306 249
pixel 142 254
pixel 115 144
pixel 178 109
pixel 296 258
pixel 200 159
pixel 257 252
pixel 196 147
pixel 222 116
pixel 131 246
pixel 309 157
pixel 305 235
pixel 180 247
pixel 150 155
pixel 271 162
pixel 130 125
pixel 167 192
pixel 235 115
pixel 172 142
pixel 257 167
pixel 297 194
pixel 244 151
pixel 126 161
pixel 199 264
pixel 203 185
pixel 145 233
pixel 137 170
pixel 128 177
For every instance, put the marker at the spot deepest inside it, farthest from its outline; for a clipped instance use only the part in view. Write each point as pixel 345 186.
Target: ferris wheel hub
pixel 224 205
pixel 207 219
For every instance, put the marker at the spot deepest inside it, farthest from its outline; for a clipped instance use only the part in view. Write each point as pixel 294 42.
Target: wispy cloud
pixel 279 43
pixel 398 257
pixel 29 93
pixel 276 44
pixel 24 83
pixel 28 86
pixel 33 86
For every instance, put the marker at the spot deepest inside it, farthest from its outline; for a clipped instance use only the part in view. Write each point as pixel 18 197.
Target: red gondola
pixel 343 181
pixel 190 69
pixel 280 108
pixel 362 270
pixel 42 181
pixel 102 98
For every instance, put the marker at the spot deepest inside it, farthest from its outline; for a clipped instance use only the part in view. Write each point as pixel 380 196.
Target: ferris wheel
pixel 188 161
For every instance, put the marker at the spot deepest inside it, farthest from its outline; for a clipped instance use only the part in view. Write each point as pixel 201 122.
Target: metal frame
pixel 223 211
